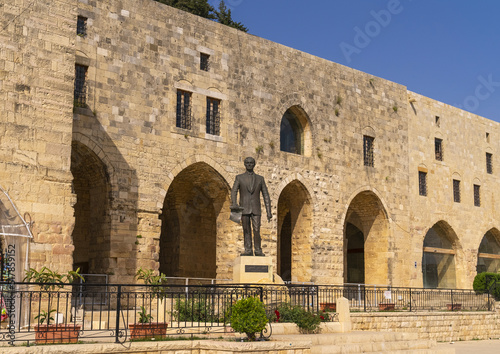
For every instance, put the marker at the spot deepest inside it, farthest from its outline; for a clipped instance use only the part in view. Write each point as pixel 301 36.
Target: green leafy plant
pixel 395 108
pixel 157 282
pixel 144 317
pixel 259 149
pixel 487 282
pixel 337 112
pixel 338 100
pixel 194 309
pixel 308 322
pixel 271 145
pixel 50 278
pixel 45 316
pixel 248 316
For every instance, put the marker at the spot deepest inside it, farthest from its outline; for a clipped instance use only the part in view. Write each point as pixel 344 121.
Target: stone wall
pixel 441 326
pixel 36 88
pixel 150 194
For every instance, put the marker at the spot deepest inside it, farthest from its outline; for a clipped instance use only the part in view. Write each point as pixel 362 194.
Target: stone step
pixel 367 342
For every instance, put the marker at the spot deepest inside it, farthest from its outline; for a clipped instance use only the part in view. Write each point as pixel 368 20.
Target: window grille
pixel 80 93
pixel 213 116
pixel 456 191
pixel 81 26
pixel 368 150
pixel 438 148
pixel 183 111
pixel 489 163
pixel 477 195
pixel 422 183
pixel 204 62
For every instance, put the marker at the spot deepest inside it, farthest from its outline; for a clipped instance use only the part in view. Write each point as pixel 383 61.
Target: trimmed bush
pixel 308 322
pixel 248 316
pixel 484 282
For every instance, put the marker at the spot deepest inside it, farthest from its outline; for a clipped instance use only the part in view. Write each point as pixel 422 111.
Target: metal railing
pixel 107 310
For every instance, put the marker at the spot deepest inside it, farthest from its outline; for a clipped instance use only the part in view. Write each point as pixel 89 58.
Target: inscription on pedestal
pixel 250 268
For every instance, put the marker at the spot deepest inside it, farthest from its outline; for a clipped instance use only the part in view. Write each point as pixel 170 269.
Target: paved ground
pixel 476 346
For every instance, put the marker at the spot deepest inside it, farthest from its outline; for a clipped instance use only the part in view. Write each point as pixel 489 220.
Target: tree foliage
pixel 204 9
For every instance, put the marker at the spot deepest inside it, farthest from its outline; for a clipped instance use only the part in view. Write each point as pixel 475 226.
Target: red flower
pixel 322 318
pixel 277 313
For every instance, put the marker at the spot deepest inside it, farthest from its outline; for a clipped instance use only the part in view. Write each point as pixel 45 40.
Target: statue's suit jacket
pixel 250 186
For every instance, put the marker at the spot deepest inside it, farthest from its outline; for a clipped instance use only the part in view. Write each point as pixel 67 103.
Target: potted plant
pixel 55 333
pixel 386 306
pixel 145 328
pixel 49 280
pixel 328 306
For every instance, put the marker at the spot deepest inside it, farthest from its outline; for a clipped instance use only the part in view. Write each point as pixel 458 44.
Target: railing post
pixel 364 298
pixel 489 303
pixel 451 294
pixel 410 299
pixel 118 308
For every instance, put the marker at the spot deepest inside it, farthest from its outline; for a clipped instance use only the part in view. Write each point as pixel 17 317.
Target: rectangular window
pixel 213 116
pixel 477 195
pixel 80 93
pixel 183 110
pixel 81 26
pixel 456 191
pixel 422 183
pixel 487 137
pixel 438 149
pixel 204 62
pixel 368 158
pixel 438 121
pixel 489 163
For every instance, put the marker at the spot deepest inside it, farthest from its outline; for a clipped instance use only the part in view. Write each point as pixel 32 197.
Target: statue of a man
pixel 251 186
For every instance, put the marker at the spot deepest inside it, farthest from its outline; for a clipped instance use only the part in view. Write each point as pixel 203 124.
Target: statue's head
pixel 249 163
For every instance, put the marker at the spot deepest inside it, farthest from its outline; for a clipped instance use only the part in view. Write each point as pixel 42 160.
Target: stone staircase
pixel 367 342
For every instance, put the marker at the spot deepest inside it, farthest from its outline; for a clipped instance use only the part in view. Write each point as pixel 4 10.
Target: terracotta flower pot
pixel 328 306
pixel 147 330
pixel 386 306
pixel 57 333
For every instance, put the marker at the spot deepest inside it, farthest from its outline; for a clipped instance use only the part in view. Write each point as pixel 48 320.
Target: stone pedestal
pixel 253 269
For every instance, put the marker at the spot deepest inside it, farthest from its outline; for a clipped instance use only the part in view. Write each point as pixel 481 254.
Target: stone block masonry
pixel 121 181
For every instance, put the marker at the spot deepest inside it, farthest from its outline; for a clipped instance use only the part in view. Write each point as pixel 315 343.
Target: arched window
pixel 488 257
pixel 295 135
pixel 438 260
pixel 291 137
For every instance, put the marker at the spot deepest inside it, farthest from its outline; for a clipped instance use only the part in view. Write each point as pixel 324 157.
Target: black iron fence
pixel 112 311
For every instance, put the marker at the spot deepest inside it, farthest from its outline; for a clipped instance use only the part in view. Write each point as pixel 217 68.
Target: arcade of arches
pixel 195 225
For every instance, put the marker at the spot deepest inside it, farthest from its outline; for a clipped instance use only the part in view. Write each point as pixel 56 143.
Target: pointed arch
pixel 366 240
pixel 488 254
pixel 440 247
pixel 294 256
pixel 92 186
pixel 195 223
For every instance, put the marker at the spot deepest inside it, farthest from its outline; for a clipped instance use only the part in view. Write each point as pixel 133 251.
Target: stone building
pixel 124 122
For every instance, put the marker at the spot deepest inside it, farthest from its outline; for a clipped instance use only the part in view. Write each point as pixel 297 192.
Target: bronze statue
pixel 250 186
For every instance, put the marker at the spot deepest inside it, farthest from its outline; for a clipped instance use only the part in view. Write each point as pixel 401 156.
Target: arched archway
pixel 488 255
pixel 294 232
pixel 438 259
pixel 366 241
pixel 91 234
pixel 295 136
pixel 195 214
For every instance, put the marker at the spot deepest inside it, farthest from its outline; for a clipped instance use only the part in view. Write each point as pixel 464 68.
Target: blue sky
pixel 447 50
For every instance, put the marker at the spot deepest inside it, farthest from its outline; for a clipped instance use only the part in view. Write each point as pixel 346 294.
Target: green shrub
pixel 306 321
pixel 194 309
pixel 248 316
pixel 484 282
